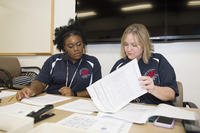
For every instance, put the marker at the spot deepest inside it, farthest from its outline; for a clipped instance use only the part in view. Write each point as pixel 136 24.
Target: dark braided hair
pixel 63 32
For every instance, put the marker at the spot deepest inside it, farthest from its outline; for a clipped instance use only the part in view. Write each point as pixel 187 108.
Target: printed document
pixel 48 127
pixel 117 89
pixel 139 113
pixel 4 94
pixel 79 106
pixel 19 109
pixel 11 123
pixel 96 124
pixel 44 100
pixel 2 88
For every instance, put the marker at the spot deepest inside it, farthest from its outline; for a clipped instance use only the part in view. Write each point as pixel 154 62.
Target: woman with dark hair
pixel 67 73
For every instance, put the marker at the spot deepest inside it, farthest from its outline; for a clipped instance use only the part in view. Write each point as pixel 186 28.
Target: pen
pixel 2 130
pixel 11 98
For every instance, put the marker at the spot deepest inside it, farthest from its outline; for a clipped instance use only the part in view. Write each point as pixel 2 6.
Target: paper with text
pixel 139 113
pixel 44 100
pixel 4 94
pixel 117 89
pixel 98 124
pixel 19 109
pixel 79 106
pixel 48 127
pixel 12 123
pixel 2 88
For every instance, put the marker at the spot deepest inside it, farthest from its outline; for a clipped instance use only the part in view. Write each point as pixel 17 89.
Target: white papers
pixel 56 128
pixel 110 125
pixel 100 125
pixel 44 100
pixel 1 88
pixel 132 113
pixel 19 109
pixel 4 94
pixel 117 89
pixel 140 113
pixel 79 121
pixel 11 123
pixel 176 112
pixel 79 106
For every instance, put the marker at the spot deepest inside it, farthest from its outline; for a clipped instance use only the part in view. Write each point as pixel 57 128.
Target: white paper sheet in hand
pixel 117 89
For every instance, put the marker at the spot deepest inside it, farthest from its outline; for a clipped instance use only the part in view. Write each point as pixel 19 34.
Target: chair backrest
pixel 12 75
pixel 5 79
pixel 179 99
pixel 10 64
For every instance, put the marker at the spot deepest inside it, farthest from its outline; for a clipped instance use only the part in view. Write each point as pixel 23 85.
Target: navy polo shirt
pixel 55 69
pixel 160 70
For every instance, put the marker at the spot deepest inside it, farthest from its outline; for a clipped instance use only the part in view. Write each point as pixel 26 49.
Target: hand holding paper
pixel 117 89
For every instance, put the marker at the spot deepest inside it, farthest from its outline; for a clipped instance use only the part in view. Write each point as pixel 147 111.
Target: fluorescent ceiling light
pixel 193 3
pixel 137 7
pixel 86 14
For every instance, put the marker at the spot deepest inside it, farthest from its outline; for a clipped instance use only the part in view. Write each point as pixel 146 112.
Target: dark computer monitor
pixel 166 20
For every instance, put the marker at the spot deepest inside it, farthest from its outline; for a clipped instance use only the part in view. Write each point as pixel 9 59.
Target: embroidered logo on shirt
pixel 152 73
pixel 84 73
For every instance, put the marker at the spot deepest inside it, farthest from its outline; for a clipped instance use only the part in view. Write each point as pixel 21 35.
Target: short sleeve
pixel 97 71
pixel 44 75
pixel 167 75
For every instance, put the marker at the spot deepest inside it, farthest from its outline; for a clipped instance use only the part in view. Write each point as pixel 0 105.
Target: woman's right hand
pixel 65 91
pixel 24 93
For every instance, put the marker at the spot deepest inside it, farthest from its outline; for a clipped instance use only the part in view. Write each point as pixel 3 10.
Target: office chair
pixel 190 126
pixel 179 100
pixel 13 76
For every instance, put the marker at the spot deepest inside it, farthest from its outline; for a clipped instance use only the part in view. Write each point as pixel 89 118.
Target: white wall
pixel 184 56
pixel 21 20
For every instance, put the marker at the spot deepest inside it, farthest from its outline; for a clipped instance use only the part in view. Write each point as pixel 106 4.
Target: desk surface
pixel 137 128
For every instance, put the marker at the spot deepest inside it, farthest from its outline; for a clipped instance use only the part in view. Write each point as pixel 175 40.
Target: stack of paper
pixel 44 100
pixel 79 106
pixel 1 88
pixel 15 124
pixel 138 113
pixel 19 109
pixel 117 89
pixel 96 124
pixel 56 128
pixel 4 94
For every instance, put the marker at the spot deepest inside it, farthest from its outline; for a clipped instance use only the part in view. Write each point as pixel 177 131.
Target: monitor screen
pixel 167 20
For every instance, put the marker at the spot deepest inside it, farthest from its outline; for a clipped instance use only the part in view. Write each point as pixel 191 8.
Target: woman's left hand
pixel 147 83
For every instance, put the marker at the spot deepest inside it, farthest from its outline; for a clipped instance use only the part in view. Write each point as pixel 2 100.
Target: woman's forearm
pixel 83 93
pixel 37 87
pixel 164 93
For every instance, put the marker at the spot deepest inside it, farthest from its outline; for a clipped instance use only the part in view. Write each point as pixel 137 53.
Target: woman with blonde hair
pixel 158 76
